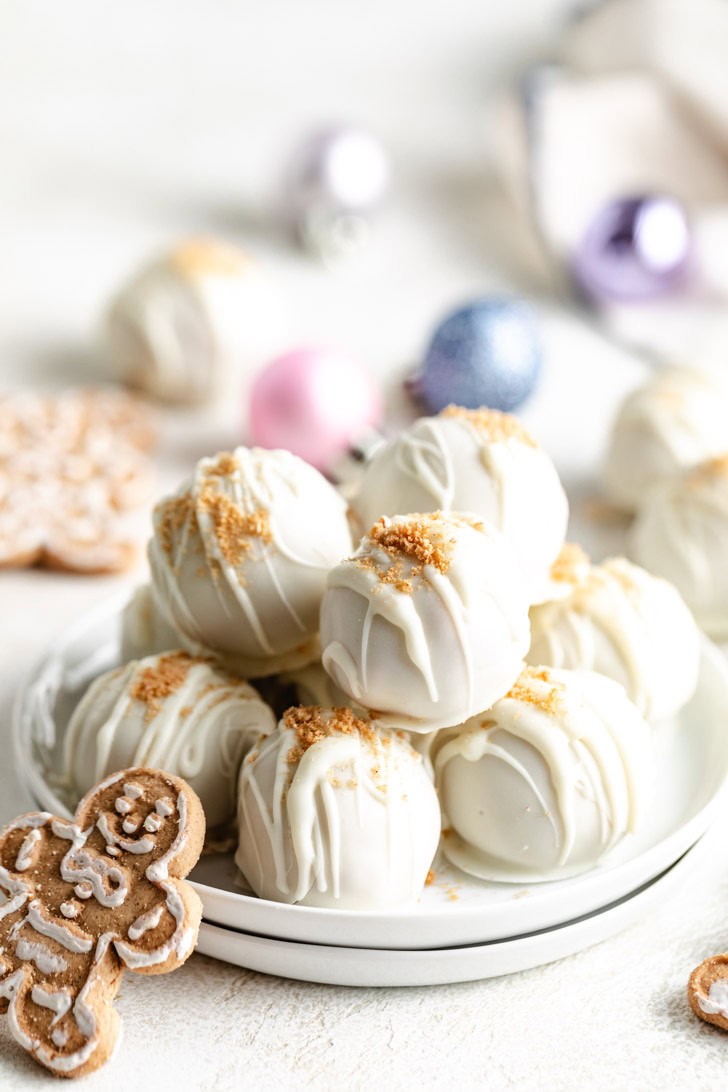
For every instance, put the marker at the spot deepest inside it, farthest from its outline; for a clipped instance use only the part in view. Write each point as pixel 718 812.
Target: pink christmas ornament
pixel 315 402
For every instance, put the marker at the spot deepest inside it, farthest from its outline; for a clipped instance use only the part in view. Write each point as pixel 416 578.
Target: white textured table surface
pixel 121 127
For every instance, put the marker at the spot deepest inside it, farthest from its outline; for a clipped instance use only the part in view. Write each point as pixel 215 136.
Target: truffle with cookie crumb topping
pixel 177 711
pixel 547 781
pixel 239 558
pixel 680 534
pixel 619 620
pixel 336 812
pixel 672 422
pixel 427 622
pixel 478 461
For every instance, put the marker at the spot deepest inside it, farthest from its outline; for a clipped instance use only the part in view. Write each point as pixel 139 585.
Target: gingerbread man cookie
pixel 70 464
pixel 708 991
pixel 87 899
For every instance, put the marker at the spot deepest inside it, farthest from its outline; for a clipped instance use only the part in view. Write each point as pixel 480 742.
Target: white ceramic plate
pixel 692 765
pixel 433 967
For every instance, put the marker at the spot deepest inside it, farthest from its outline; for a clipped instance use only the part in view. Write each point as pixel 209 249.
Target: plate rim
pixel 431 967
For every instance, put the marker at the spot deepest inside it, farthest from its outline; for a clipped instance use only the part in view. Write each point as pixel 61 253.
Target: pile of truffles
pixel 458 676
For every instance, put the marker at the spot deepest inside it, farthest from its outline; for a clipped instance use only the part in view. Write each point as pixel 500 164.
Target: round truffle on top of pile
pixel 427 623
pixel 478 461
pixel 336 813
pixel 621 621
pixel 547 781
pixel 674 421
pixel 239 558
pixel 681 532
pixel 172 711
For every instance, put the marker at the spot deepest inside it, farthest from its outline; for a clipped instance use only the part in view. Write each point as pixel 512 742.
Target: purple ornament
pixel 636 248
pixel 315 402
pixel 487 353
pixel 335 180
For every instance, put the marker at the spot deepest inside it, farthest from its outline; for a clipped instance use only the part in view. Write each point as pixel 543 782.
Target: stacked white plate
pixel 461 929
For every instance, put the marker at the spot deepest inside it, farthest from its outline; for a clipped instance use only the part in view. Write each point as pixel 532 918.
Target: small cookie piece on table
pixel 70 465
pixel 708 991
pixel 85 900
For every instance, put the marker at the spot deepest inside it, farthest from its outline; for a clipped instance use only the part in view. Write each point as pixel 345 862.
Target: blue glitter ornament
pixel 487 353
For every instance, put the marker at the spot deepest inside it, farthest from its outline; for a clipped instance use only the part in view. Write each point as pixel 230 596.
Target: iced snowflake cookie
pixel 478 461
pixel 70 465
pixel 334 812
pixel 427 622
pixel 708 991
pixel 172 710
pixel 88 899
pixel 240 556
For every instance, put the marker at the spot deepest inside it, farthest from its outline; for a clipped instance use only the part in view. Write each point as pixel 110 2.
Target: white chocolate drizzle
pixel 303 813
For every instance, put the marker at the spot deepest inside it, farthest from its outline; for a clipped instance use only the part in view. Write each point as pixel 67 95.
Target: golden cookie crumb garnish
pixel 426 538
pixel 313 723
pixel 157 682
pixel 570 565
pixel 529 688
pixel 429 878
pixel 498 427
pixel 234 527
pixel 708 471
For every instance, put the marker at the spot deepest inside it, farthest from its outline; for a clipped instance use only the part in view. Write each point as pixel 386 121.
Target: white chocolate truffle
pixel 191 320
pixel 478 461
pixel 674 421
pixel 144 629
pixel 428 621
pixel 547 781
pixel 681 534
pixel 334 813
pixel 174 712
pixel 621 621
pixel 239 558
